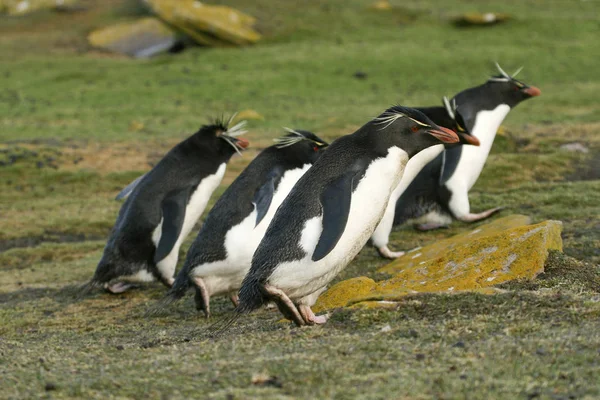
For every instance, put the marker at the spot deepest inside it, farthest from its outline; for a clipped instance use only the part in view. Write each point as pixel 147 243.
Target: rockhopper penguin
pixel 332 211
pixel 435 188
pixel 162 207
pixel 222 252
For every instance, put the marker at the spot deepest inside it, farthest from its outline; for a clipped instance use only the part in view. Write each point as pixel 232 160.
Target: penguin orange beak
pixel 243 143
pixel 532 91
pixel 470 139
pixel 444 134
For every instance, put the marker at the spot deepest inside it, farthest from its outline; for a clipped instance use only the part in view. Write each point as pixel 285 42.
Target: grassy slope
pixel 65 118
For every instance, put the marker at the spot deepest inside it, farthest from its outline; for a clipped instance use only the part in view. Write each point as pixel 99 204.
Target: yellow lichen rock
pixel 441 247
pixel 207 25
pixel 141 38
pixel 341 293
pixel 472 261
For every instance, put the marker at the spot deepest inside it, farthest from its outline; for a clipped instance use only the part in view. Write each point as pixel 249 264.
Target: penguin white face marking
pixel 194 209
pixel 304 277
pixel 413 167
pixel 242 240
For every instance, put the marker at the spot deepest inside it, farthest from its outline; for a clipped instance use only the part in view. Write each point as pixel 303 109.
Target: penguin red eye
pixel 414 128
pixel 316 148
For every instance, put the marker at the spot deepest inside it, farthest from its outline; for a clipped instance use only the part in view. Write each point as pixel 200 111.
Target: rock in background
pixel 497 252
pixel 141 38
pixel 202 24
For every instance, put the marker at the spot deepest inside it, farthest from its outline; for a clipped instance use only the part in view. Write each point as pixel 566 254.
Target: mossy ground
pixel 77 125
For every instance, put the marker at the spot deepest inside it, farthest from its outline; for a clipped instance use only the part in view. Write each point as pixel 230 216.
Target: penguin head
pixel 410 130
pixel 510 90
pixel 223 138
pixel 304 146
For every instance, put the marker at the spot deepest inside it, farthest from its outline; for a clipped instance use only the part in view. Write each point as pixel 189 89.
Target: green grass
pixel 68 143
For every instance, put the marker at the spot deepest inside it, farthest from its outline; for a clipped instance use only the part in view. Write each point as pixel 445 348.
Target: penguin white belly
pixel 382 233
pixel 304 277
pixel 473 158
pixel 196 205
pixel 242 240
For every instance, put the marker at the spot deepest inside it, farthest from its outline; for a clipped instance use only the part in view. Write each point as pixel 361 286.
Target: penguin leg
pixel 479 216
pixel 385 252
pixel 285 305
pixel 202 297
pixel 309 317
pixel 233 296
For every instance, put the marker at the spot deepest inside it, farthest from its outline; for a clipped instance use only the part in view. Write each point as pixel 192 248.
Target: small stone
pixel 480 19
pixel 50 386
pixel 360 75
pixel 266 380
pixel 540 352
pixel 459 345
pixel 143 38
pixel 575 147
pixel 386 328
pixel 120 347
pixel 463 376
pixel 419 357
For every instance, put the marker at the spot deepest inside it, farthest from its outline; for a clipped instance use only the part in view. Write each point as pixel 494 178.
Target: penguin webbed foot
pixel 119 287
pixel 385 252
pixel 285 305
pixel 309 316
pixel 479 216
pixel 202 297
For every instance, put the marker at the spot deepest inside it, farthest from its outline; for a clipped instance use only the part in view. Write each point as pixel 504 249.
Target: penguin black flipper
pixel 335 202
pixel 129 188
pixel 264 194
pixel 173 210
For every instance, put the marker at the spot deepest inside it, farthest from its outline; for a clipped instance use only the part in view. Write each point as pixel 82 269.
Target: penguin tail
pixel 181 285
pixel 250 298
pixel 85 289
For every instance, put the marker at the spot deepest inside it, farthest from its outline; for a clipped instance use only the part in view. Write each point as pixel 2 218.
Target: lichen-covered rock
pixel 141 38
pixel 343 292
pixel 207 25
pixel 441 247
pixel 472 261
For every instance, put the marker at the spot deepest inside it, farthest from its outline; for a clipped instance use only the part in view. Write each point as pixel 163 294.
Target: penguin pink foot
pixel 479 216
pixel 285 305
pixel 309 317
pixel 384 251
pixel 119 287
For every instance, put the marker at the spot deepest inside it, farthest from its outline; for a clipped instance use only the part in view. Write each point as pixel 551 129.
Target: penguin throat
pixel 487 124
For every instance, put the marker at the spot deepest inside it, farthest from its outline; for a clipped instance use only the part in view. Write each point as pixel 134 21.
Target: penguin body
pixel 435 191
pixel 162 207
pixel 332 211
pixel 220 256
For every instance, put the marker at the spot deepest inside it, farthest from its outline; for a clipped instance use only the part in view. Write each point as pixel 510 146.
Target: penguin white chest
pixel 195 206
pixel 242 240
pixel 473 158
pixel 369 200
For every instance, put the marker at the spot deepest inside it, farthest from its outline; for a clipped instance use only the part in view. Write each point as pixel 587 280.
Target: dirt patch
pixel 48 237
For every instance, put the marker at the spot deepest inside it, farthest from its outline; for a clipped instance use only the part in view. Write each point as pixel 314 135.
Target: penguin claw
pixel 385 252
pixel 479 216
